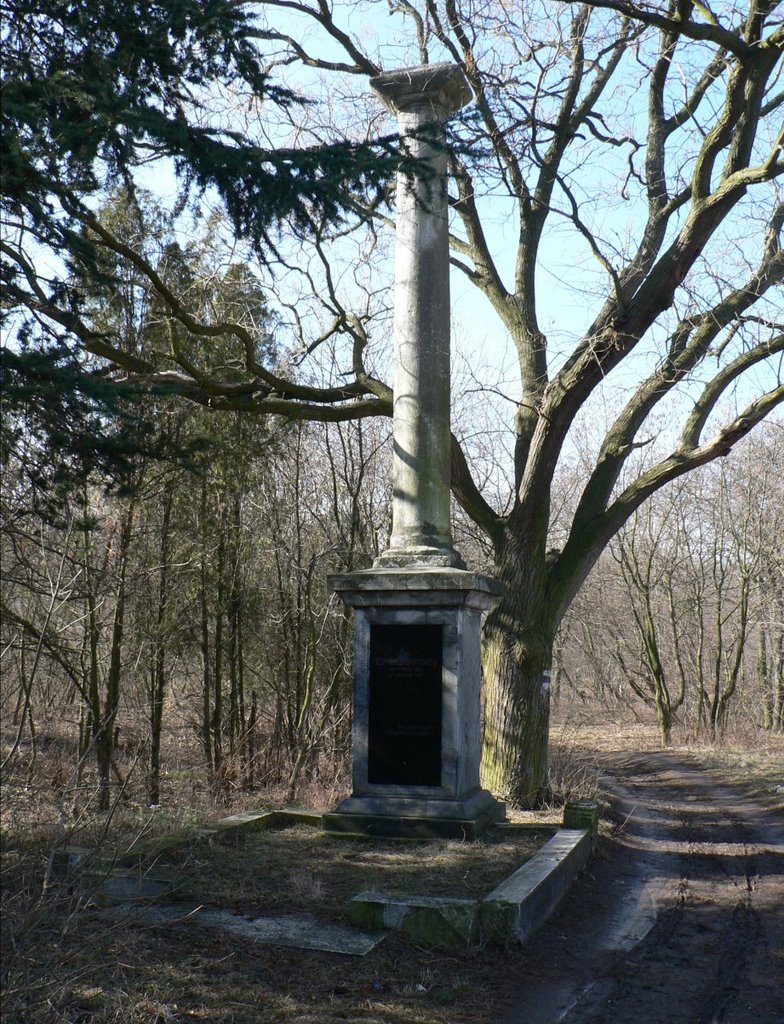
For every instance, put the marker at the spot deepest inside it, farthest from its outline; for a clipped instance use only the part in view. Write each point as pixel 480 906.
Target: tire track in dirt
pixel 680 920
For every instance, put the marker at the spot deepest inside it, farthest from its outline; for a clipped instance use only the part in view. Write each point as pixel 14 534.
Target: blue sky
pixel 570 283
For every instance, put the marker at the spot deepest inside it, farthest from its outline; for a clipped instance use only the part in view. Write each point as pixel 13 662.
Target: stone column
pixel 418 611
pixel 423 99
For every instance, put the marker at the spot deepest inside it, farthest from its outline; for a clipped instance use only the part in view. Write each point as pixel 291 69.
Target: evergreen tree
pixel 92 94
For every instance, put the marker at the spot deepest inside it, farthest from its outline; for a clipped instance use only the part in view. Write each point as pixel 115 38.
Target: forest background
pixel 165 619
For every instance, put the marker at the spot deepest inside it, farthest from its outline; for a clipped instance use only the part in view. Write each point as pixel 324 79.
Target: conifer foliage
pixel 91 94
pixel 92 91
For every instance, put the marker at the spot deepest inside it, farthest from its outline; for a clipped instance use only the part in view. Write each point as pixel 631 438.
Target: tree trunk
pixel 216 719
pixel 204 616
pixel 518 644
pixel 250 766
pixel 158 680
pixel 778 699
pixel 118 634
pixel 105 736
pixel 663 715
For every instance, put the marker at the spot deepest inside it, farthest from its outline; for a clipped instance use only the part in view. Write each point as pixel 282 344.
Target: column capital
pixel 442 87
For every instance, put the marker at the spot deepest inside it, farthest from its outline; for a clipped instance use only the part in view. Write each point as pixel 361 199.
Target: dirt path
pixel 679 921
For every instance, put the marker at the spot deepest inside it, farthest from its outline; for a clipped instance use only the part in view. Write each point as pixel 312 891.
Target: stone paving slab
pixel 297 931
pixel 121 888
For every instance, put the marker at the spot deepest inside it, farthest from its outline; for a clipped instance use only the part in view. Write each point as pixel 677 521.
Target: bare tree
pixel 680 613
pixel 650 135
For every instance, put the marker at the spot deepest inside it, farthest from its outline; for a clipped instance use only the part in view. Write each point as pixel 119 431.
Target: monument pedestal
pixel 417 724
pixel 417 658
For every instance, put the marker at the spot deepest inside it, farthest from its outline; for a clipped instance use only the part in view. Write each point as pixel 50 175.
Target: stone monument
pixel 417 660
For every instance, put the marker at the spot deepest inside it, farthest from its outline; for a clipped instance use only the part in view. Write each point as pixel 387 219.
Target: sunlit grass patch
pixel 761 771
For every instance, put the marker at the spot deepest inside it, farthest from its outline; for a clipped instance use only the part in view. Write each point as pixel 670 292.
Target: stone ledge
pixel 422 817
pixel 431 585
pixel 155 847
pixel 431 920
pixel 511 913
pixel 265 819
pixel 369 826
pixel 120 888
pixel 523 902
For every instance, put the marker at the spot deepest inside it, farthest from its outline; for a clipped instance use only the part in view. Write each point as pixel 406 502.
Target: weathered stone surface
pixel 260 820
pixel 390 826
pixel 515 909
pixel 422 98
pixel 452 600
pixel 418 817
pixel 246 820
pixel 152 848
pixel 298 931
pixel 65 860
pixel 423 585
pixel 417 662
pixel 443 86
pixel 297 816
pixel 582 814
pixel 294 931
pixel 429 920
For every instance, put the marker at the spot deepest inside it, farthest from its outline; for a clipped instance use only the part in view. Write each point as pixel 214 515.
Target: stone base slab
pixel 415 817
pixel 415 585
pixel 377 827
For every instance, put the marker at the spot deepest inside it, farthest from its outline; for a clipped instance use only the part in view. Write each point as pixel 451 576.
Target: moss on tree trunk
pixel 518 644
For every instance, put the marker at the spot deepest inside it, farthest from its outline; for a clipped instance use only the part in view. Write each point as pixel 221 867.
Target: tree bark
pixel 204 619
pixel 518 644
pixel 105 734
pixel 158 680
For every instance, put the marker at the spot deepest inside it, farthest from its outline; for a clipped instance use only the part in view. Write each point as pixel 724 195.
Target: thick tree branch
pixel 712 32
pixel 282 388
pixel 616 332
pixel 685 458
pixel 690 344
pixel 703 408
pixel 581 551
pixel 244 399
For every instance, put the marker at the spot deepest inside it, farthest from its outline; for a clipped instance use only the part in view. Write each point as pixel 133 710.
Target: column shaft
pixel 422 98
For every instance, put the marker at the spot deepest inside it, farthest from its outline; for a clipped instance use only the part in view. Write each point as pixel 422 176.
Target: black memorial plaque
pixel 404 740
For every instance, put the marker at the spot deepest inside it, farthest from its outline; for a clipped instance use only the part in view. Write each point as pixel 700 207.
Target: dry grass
pixel 64 960
pixel 67 961
pixel 302 870
pixel 755 762
pixel 744 756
